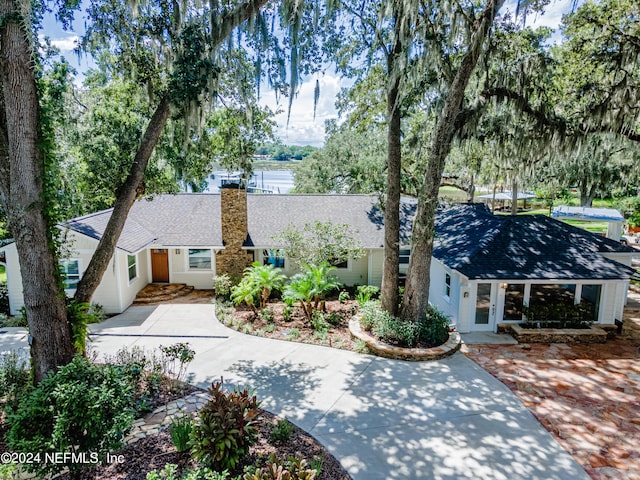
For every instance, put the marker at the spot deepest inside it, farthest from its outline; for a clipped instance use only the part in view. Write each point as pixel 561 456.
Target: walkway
pixel 383 419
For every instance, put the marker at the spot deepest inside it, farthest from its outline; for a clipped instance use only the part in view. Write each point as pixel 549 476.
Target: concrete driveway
pixel 382 419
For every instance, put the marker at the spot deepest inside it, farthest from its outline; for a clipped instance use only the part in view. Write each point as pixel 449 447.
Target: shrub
pixel 15 378
pixel 282 431
pixel 344 297
pixel 177 358
pixel 17 321
pixel 226 428
pixel 293 333
pixel 256 285
pixel 170 472
pixel 318 322
pixel 432 329
pixel 334 318
pixel 81 408
pixel 286 313
pixel 364 293
pixel 180 431
pixel 295 468
pixel 266 314
pixel 222 285
pixel 4 298
pixel 311 287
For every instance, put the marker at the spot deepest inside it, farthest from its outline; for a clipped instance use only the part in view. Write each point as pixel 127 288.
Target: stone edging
pixel 593 334
pixel 399 353
pixel 161 417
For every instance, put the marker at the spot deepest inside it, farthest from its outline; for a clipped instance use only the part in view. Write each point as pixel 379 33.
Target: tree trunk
pixel 416 297
pixel 514 197
pixel 587 194
pixel 22 165
pixel 129 191
pixel 390 272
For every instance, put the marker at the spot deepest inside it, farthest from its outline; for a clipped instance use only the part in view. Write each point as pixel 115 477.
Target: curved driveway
pixel 382 419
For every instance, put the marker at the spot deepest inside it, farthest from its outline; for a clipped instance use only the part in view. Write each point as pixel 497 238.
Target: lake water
pixel 278 181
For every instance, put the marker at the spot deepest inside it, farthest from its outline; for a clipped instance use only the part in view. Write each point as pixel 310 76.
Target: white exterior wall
pixel 14 279
pixel 450 305
pixel 375 265
pixel 179 271
pixel 357 272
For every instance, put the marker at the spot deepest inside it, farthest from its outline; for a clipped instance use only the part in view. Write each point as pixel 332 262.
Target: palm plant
pixel 311 287
pixel 256 285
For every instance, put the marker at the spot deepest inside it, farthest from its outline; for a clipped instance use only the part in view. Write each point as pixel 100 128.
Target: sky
pixel 303 128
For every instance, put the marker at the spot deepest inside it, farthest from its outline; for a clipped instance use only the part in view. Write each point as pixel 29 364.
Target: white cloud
pixel 67 44
pixel 303 128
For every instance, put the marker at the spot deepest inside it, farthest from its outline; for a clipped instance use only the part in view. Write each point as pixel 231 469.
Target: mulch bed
pixel 297 327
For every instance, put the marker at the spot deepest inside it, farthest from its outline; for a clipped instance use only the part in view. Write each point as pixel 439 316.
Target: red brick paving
pixel 587 396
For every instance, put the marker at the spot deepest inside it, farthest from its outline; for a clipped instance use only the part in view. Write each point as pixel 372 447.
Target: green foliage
pixel 170 472
pixel 282 431
pixel 311 287
pixel 558 315
pixel 432 329
pixel 4 298
pixel 15 379
pixel 266 314
pixel 257 284
pixel 286 313
pixel 334 318
pixel 343 296
pixel 180 432
pixel 80 408
pixel 177 358
pixel 321 242
pixel 295 468
pixel 293 333
pixel 80 316
pixel 17 321
pixel 318 322
pixel 364 293
pixel 222 285
pixel 226 428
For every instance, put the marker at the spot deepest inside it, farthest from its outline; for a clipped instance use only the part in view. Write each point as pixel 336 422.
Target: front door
pixel 159 265
pixel 485 308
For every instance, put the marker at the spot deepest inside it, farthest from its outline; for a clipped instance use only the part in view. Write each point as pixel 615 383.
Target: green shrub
pixel 318 322
pixel 180 431
pixel 81 408
pixel 432 329
pixel 311 287
pixel 222 285
pixel 344 296
pixel 266 314
pixel 364 293
pixel 226 428
pixel 257 284
pixel 286 313
pixel 295 468
pixel 177 358
pixel 17 321
pixel 293 333
pixel 4 298
pixel 15 378
pixel 170 472
pixel 334 318
pixel 282 431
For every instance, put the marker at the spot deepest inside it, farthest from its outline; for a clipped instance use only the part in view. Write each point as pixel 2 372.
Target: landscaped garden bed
pixel 591 334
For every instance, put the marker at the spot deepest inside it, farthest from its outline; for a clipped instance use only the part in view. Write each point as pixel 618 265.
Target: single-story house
pixel 484 266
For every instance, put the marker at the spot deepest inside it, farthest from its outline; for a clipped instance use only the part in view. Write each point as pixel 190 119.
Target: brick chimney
pixel 233 207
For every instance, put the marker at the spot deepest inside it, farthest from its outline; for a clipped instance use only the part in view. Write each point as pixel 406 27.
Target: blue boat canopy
pixel 589 214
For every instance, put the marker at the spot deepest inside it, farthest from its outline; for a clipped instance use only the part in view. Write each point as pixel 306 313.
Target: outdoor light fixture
pixel 503 285
pixel 177 251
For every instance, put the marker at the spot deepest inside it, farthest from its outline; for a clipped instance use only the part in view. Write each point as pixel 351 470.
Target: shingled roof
pixel 480 245
pixel 193 219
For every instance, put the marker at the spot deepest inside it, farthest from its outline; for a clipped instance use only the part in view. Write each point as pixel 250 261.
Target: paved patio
pixel 587 396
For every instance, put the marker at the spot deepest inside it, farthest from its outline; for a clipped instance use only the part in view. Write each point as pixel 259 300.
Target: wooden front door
pixel 159 265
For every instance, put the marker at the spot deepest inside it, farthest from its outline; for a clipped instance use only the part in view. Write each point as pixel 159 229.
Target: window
pixel 405 254
pixel 199 259
pixel 132 266
pixel 447 285
pixel 552 294
pixel 337 264
pixel 71 271
pixel 513 301
pixel 273 257
pixel 591 296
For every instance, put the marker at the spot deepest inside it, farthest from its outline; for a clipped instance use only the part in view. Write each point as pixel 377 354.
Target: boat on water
pixel 222 178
